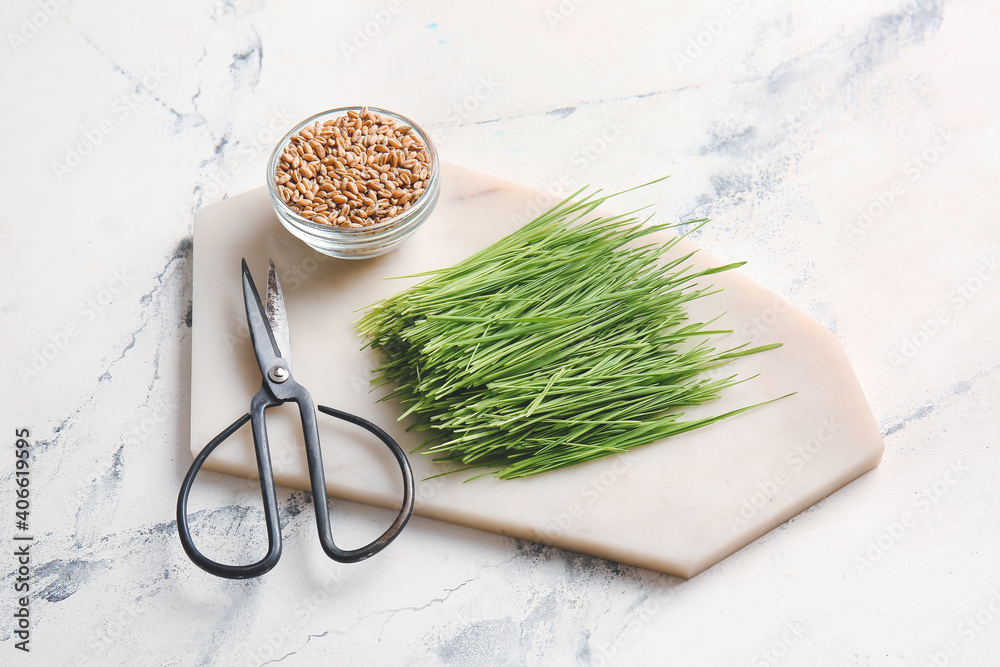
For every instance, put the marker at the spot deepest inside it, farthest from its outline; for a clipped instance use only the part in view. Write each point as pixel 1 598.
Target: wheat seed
pixel 359 169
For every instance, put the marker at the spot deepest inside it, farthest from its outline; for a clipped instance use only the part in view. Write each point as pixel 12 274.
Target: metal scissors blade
pixel 265 345
pixel 274 307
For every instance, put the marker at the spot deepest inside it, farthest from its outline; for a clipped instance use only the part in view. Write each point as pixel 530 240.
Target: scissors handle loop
pixel 270 512
pixel 319 494
pixel 314 458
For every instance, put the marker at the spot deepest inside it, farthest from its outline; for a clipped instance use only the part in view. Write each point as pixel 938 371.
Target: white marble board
pixel 677 506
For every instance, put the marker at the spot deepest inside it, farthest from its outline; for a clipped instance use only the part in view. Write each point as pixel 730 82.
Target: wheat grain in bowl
pixel 355 170
pixel 367 173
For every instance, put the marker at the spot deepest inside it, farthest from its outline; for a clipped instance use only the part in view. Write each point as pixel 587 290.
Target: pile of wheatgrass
pixel 566 341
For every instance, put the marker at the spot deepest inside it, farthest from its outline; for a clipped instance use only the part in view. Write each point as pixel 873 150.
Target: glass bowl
pixel 357 242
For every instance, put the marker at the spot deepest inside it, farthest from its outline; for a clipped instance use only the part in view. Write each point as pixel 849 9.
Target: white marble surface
pixel 788 120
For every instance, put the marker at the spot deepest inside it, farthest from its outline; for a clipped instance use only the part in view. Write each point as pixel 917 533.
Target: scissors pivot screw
pixel 278 374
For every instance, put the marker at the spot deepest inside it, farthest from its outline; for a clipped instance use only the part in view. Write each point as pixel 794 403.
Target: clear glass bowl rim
pixel 348 232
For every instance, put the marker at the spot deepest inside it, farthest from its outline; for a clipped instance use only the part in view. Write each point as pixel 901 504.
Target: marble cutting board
pixel 677 506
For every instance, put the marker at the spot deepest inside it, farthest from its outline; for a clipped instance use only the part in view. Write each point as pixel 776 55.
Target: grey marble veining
pixel 849 152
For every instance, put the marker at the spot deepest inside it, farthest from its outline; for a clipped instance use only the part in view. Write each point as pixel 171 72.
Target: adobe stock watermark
pixel 297 616
pixel 816 100
pixel 713 29
pixel 465 108
pixel 267 137
pixel 563 11
pixel 759 324
pixel 86 312
pixel 568 180
pixel 263 141
pixel 364 34
pixel 894 532
pixel 292 277
pixel 778 649
pixel 795 460
pixel 98 642
pixel 907 348
pixel 588 494
pixel 32 25
pixel 911 172
pixel 121 108
pixel 137 436
pixel 973 625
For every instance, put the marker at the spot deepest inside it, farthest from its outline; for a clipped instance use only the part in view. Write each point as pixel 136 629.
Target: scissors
pixel 269 334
